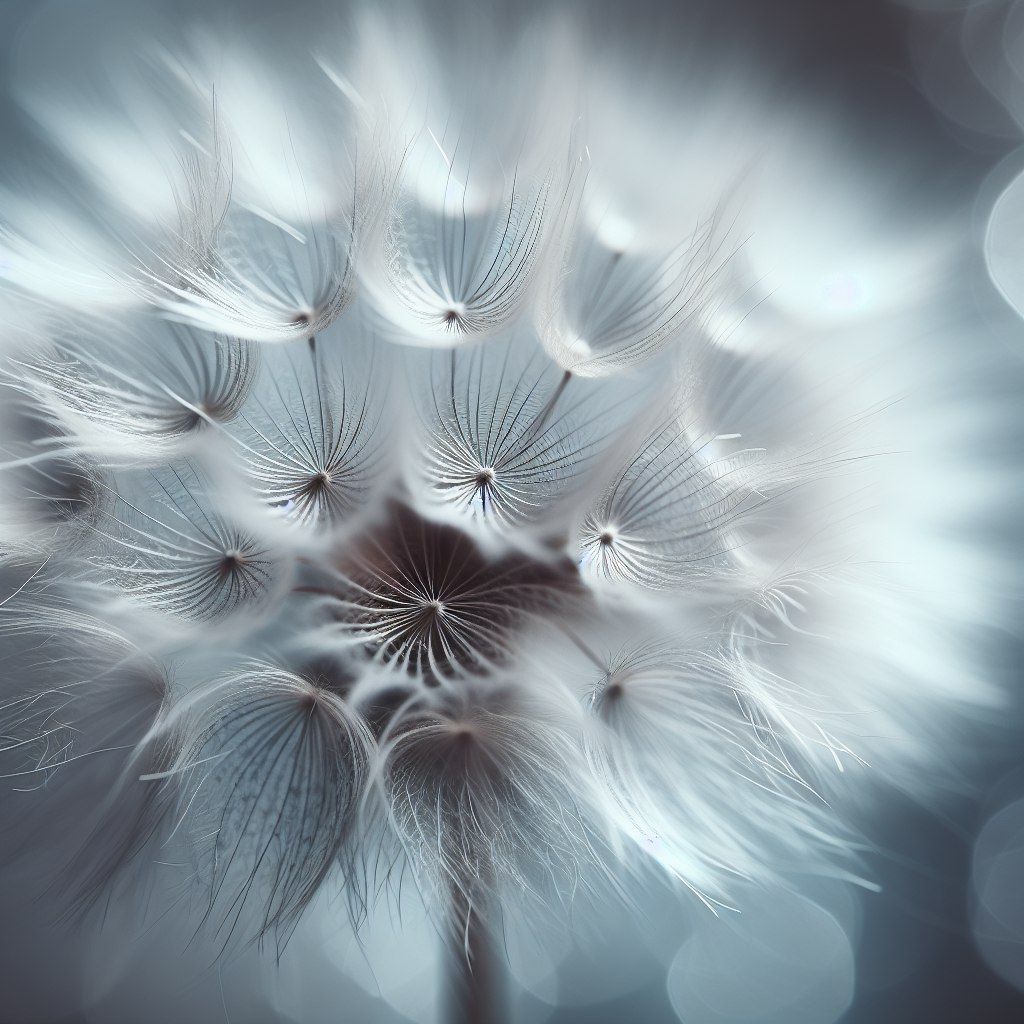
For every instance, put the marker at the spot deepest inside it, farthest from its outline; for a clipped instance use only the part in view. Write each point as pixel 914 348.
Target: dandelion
pixel 412 519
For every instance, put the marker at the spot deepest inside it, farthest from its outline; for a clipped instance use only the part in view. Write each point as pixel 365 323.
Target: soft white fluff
pixel 646 562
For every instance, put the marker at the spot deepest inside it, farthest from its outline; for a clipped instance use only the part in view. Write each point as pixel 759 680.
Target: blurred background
pixel 924 106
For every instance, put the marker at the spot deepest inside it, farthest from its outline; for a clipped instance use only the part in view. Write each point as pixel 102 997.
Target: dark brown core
pixel 426 593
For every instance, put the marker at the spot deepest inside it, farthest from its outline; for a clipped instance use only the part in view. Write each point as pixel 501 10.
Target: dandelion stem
pixel 475 990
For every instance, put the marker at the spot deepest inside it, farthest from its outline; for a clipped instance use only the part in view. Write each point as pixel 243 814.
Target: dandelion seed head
pixel 407 441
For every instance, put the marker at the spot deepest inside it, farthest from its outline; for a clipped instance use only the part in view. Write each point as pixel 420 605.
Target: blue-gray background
pixel 917 960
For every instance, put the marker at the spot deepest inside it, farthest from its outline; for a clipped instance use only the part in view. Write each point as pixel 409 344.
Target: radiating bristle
pixel 139 396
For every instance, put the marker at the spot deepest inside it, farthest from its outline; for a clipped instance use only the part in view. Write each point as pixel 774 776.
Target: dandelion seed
pixel 49 490
pixel 507 437
pixel 265 281
pixel 471 787
pixel 310 438
pixel 271 771
pixel 673 720
pixel 142 402
pixel 460 267
pixel 670 512
pixel 168 548
pixel 610 309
